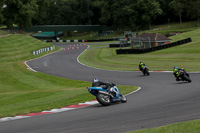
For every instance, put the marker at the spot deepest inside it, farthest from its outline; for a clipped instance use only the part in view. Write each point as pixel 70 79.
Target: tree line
pixel 123 14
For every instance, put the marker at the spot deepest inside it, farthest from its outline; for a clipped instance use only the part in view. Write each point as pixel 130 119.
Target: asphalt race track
pixel 161 101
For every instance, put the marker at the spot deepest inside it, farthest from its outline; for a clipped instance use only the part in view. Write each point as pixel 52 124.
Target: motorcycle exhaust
pixel 106 93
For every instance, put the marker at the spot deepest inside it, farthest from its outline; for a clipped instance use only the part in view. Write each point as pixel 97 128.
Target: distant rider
pixel 177 71
pixel 141 65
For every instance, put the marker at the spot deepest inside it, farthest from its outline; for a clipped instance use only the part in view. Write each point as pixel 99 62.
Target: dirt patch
pixel 5 35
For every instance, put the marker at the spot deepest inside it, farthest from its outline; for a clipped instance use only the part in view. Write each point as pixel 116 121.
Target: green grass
pixel 173 27
pixel 100 45
pixel 3 32
pixel 23 91
pixel 186 55
pixel 183 127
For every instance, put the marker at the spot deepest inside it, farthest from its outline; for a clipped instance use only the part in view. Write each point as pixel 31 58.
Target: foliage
pixel 128 13
pixel 41 13
pixel 60 12
pixel 19 12
pixel 193 9
pixel 123 14
pixel 178 6
pixel 1 9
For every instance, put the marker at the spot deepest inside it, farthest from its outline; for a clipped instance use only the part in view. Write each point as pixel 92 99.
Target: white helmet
pixel 96 80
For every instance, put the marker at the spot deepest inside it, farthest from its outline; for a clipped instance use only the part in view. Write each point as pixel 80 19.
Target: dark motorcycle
pixel 145 71
pixel 184 76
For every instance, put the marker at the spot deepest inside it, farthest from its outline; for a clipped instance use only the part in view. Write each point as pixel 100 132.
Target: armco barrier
pixel 64 40
pixel 140 51
pixel 99 40
pixel 46 49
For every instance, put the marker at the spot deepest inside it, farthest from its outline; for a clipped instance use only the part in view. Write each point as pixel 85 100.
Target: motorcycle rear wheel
pixel 143 73
pixel 187 78
pixel 103 99
pixel 148 73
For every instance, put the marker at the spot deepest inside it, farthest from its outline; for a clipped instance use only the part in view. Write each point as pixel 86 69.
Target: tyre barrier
pixel 46 49
pixel 117 45
pixel 140 51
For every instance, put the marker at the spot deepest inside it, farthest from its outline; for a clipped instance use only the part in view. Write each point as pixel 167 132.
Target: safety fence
pixel 46 49
pixel 146 50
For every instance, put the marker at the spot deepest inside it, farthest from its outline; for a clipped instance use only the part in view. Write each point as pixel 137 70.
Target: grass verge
pixel 186 55
pixel 183 127
pixel 23 91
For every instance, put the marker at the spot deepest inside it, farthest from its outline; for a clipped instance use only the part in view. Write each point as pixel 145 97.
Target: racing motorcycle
pixel 145 71
pixel 184 76
pixel 105 97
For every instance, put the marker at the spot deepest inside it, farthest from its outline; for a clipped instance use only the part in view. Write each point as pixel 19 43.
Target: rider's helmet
pixel 175 67
pixel 95 80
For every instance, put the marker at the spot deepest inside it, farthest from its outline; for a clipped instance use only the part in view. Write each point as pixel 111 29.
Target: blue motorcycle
pixel 106 97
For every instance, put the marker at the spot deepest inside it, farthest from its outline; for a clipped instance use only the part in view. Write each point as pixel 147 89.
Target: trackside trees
pixel 1 11
pixel 19 12
pixel 167 12
pixel 136 14
pixel 193 7
pixel 41 13
pixel 9 13
pixel 141 13
pixel 123 14
pixel 147 11
pixel 67 12
pixel 178 6
pixel 106 11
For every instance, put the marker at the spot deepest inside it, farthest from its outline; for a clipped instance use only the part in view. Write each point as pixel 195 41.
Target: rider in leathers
pixel 177 71
pixel 141 66
pixel 97 83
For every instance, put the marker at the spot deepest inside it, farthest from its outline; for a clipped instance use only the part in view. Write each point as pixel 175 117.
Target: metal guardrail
pixel 98 40
pixel 46 49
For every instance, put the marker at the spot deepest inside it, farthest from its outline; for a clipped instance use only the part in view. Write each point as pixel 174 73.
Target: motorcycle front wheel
pixel 103 99
pixel 123 99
